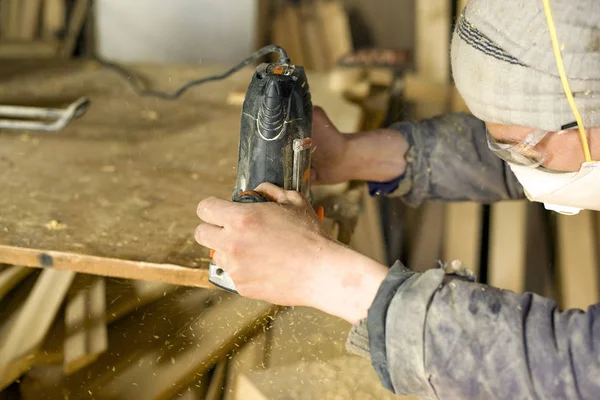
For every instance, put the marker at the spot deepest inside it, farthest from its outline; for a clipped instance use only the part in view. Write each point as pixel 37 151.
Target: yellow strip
pixel 564 80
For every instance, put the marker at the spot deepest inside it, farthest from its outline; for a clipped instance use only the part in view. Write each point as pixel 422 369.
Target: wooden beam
pixel 426 245
pixel 115 268
pixel 508 245
pixel 28 329
pixel 11 11
pixel 53 19
pixel 19 49
pixel 30 18
pixel 77 19
pixel 217 381
pixel 577 260
pixel 433 48
pixel 462 234
pixel 86 335
pixel 11 277
pixel 251 356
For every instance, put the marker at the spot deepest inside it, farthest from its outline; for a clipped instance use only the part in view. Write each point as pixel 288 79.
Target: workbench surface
pixel 116 191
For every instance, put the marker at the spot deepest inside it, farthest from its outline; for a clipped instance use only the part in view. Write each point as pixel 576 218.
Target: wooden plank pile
pixel 41 28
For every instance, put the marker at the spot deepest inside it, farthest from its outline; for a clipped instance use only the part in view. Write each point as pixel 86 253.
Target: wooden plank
pixel 77 18
pixel 11 277
pixel 53 19
pixel 432 48
pixel 508 245
pixel 335 29
pixel 28 330
pixel 368 236
pixel 36 49
pixel 86 336
pixel 30 19
pixel 426 244
pixel 577 260
pixel 10 10
pixel 217 381
pixel 312 38
pixel 462 234
pixel 251 356
pixel 287 33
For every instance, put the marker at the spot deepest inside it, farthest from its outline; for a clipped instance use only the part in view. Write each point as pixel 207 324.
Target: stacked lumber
pixel 316 33
pixel 75 335
pixel 41 28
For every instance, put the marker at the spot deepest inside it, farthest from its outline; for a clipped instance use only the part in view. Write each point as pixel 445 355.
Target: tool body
pixel 275 139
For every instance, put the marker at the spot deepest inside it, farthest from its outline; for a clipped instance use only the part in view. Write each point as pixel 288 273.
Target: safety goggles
pixel 523 153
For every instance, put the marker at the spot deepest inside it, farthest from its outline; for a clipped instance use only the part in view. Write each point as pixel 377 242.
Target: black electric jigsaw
pixel 275 139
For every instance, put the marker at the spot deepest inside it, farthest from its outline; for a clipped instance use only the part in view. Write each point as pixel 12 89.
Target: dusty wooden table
pixel 115 193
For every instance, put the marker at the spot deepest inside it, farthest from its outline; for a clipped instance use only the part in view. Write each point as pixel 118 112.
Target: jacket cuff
pixel 396 328
pixel 358 340
pixel 376 320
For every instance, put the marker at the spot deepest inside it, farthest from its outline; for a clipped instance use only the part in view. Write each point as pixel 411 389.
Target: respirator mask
pixel 563 192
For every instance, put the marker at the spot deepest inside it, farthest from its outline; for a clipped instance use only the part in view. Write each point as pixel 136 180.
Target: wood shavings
pixel 55 225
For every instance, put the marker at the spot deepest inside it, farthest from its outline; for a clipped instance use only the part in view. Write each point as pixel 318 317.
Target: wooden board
pixel 53 18
pixel 577 260
pixel 26 331
pixel 508 244
pixel 433 48
pixel 86 334
pixel 462 234
pixel 136 167
pixel 426 245
pixel 251 356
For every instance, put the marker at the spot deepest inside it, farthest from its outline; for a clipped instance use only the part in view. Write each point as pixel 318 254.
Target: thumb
pixel 273 192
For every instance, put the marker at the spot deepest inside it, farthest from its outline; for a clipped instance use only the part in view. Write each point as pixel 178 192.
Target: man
pixel 428 334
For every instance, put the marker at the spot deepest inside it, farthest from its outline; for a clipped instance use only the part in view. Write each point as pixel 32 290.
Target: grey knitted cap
pixel 504 67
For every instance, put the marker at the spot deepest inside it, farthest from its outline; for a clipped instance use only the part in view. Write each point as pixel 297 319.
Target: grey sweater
pixel 437 337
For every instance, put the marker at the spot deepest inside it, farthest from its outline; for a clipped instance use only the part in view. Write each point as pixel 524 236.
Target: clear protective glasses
pixel 520 153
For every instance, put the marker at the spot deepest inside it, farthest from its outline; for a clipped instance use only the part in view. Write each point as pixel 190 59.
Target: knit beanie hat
pixel 504 67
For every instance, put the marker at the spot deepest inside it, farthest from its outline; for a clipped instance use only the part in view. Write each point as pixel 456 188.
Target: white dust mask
pixel 563 192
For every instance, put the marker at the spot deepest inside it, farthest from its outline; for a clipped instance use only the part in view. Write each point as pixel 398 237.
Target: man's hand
pixel 378 155
pixel 329 160
pixel 279 252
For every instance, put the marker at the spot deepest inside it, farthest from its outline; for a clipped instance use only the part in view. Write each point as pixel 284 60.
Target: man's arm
pixel 449 160
pixel 446 338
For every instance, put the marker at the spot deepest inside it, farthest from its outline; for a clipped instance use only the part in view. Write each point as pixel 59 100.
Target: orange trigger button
pixel 212 253
pixel 321 212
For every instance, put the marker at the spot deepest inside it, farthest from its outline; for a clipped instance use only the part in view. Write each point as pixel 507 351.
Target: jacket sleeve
pixel 441 338
pixel 449 160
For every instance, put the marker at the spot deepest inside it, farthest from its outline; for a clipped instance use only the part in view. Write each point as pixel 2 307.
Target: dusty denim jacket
pixel 440 338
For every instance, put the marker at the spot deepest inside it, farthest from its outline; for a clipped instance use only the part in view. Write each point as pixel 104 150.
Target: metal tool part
pixel 40 118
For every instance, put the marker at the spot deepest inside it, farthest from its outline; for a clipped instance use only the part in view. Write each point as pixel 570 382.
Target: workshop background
pixel 68 335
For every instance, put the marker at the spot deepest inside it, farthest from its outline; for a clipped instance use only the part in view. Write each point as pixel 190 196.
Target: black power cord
pixel 143 91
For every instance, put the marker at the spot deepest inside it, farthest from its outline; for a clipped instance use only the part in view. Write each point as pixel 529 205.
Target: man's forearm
pixel 378 155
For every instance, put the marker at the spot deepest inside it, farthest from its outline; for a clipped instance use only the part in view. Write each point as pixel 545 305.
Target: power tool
pixel 275 133
pixel 275 139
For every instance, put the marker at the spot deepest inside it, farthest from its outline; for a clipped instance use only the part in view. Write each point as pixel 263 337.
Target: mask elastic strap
pixel 564 80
